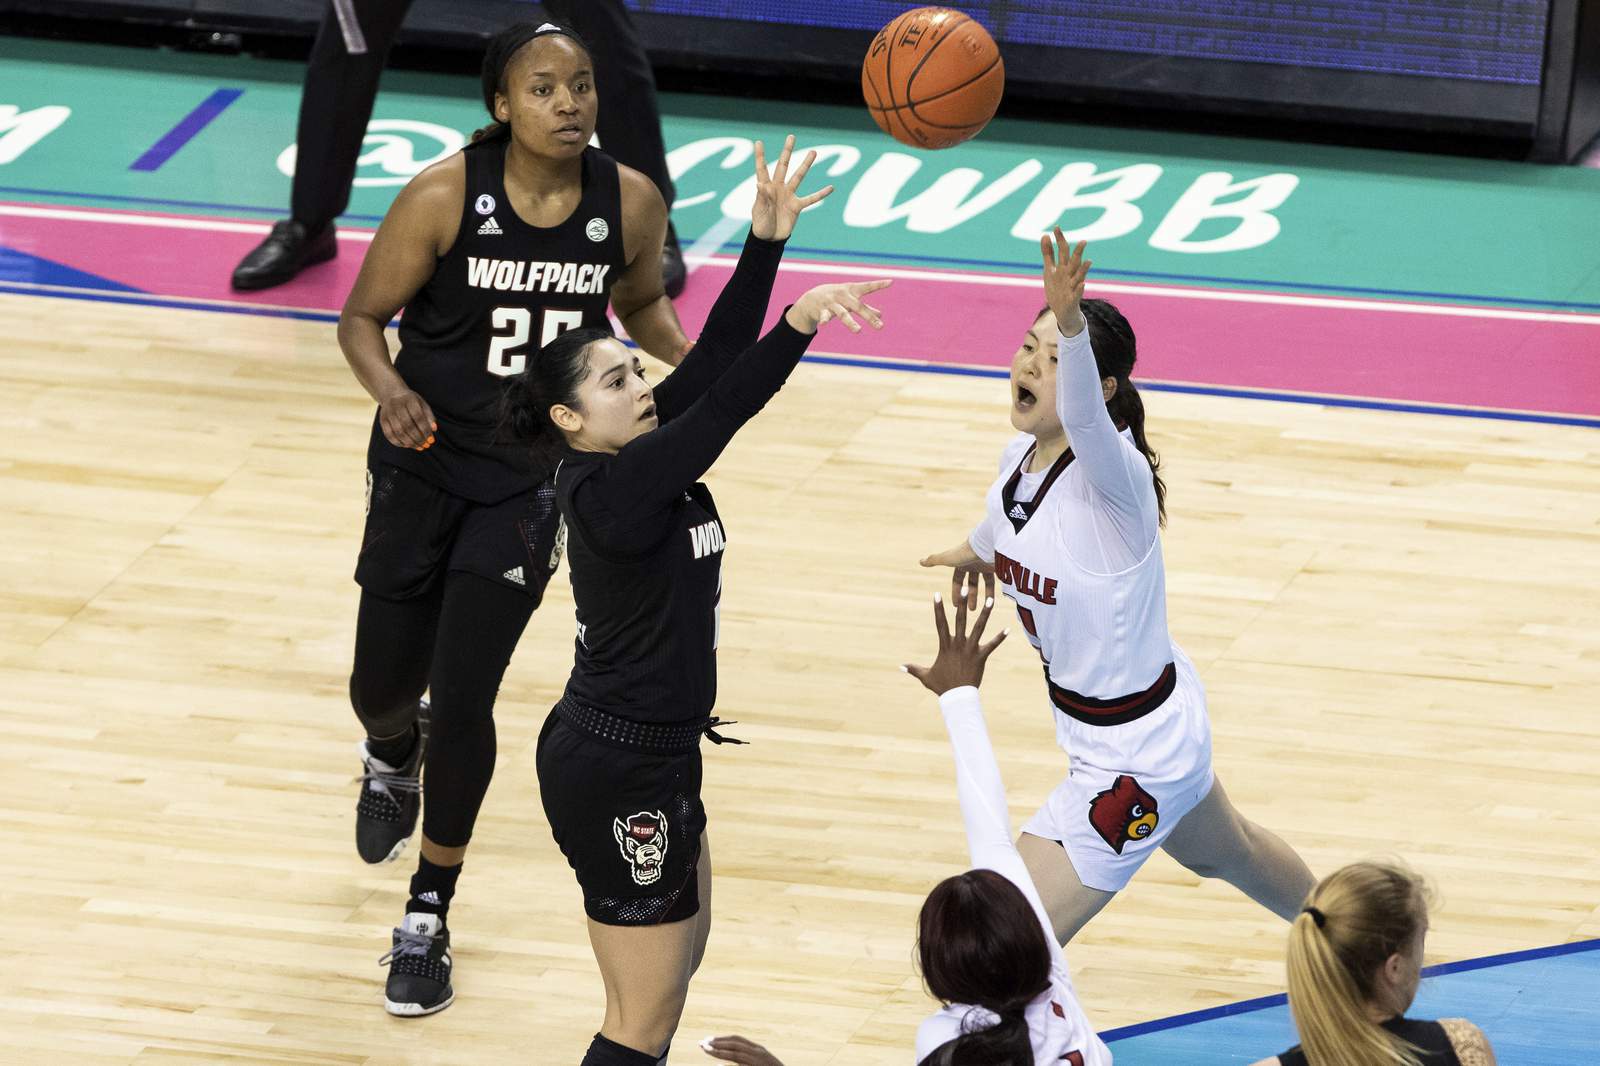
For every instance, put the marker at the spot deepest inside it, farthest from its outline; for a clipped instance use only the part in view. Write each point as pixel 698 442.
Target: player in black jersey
pixel 618 758
pixel 492 252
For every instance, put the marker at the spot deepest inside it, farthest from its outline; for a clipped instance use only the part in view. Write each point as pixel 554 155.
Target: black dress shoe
pixel 672 272
pixel 287 250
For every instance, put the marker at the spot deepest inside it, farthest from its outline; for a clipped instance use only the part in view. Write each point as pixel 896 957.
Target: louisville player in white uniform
pixel 1071 531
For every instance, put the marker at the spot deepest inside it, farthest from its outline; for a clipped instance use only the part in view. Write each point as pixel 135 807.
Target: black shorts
pixel 629 823
pixel 416 532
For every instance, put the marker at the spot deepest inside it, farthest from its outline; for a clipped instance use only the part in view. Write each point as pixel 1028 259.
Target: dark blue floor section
pixel 21 267
pixel 1539 1008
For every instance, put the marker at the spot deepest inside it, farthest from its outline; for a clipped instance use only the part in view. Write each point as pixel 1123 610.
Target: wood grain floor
pixel 1395 616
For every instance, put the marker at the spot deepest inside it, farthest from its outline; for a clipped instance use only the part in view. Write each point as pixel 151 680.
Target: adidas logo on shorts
pixel 490 228
pixel 515 574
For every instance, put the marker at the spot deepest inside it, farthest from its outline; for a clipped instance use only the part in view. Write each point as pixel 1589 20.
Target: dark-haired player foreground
pixel 619 757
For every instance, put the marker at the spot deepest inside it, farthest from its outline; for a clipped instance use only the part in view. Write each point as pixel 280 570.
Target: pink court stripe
pixel 1495 358
pixel 1328 347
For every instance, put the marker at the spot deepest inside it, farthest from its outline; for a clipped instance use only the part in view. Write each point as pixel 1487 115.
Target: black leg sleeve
pixel 479 626
pixel 336 103
pixel 394 647
pixel 630 122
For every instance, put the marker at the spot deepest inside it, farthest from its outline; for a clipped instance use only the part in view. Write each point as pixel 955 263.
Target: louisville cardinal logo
pixel 643 840
pixel 1123 812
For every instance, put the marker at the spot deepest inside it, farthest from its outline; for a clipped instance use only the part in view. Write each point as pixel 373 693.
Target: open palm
pixel 778 200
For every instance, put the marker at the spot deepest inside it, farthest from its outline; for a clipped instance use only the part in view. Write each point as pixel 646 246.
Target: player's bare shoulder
pixel 431 201
pixel 644 212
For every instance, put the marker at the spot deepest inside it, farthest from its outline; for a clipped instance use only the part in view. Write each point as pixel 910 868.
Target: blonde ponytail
pixel 1354 920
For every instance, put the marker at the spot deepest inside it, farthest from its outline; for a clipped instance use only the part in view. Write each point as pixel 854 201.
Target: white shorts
pixel 1128 786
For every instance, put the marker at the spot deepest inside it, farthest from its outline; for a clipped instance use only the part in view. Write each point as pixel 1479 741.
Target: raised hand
pixel 778 200
pixel 961 654
pixel 1065 270
pixel 841 300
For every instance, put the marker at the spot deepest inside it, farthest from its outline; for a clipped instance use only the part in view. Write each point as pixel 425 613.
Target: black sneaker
pixel 288 249
pixel 419 968
pixel 386 812
pixel 673 272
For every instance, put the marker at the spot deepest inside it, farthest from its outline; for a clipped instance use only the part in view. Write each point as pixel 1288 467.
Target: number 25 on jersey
pixel 507 351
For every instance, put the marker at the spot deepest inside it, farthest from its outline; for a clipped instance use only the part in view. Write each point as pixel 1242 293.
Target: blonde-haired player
pixel 1072 532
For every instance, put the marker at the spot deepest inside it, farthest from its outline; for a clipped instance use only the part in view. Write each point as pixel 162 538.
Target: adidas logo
pixel 430 897
pixel 514 574
pixel 1018 513
pixel 490 228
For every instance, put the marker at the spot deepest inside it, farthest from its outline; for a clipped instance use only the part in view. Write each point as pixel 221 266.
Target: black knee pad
pixel 382 714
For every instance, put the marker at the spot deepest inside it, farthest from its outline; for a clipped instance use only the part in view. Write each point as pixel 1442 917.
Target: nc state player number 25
pixel 504 360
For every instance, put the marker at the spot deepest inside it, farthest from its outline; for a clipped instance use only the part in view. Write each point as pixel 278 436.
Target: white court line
pixel 117 218
pixel 866 270
pixel 1225 295
pixel 156 298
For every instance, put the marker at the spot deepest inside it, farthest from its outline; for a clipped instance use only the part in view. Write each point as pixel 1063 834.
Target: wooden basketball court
pixel 1394 614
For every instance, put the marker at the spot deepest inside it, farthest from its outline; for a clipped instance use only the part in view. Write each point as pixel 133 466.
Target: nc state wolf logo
pixel 643 839
pixel 1123 812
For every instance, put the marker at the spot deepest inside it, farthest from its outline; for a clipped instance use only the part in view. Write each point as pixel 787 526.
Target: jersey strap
pixel 1118 710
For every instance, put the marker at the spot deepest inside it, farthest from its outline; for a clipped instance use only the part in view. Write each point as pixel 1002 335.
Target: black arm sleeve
pixel 733 325
pixel 653 471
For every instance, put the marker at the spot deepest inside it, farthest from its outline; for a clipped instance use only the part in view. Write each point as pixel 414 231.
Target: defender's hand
pixel 961 654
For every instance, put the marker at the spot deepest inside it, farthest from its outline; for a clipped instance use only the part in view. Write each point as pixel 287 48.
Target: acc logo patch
pixel 484 204
pixel 1124 812
pixel 597 230
pixel 643 840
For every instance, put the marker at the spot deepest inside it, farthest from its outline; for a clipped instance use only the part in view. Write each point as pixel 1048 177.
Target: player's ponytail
pixel 979 943
pixel 1115 351
pixel 552 377
pixel 1353 921
pixel 497 57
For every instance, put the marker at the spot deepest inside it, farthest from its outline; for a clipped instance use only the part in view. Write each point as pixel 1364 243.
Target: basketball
pixel 932 78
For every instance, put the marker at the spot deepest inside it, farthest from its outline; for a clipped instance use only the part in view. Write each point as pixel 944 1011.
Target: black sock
pixel 394 750
pixel 431 888
pixel 662 1061
pixel 603 1052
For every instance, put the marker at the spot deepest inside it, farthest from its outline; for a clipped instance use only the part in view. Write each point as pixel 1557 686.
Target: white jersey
pixel 1059 1029
pixel 1076 546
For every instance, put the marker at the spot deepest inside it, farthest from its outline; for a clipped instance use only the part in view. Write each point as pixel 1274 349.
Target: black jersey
pixel 503 290
pixel 645 541
pixel 1429 1037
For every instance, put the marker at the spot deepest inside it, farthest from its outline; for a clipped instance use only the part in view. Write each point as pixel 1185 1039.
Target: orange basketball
pixel 932 78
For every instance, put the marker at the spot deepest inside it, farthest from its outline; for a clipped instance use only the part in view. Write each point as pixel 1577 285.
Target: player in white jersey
pixel 984 940
pixel 1071 531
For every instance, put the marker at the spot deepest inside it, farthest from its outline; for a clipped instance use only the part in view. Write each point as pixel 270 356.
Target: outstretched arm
pixel 1122 488
pixel 954 677
pixel 735 319
pixel 656 468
